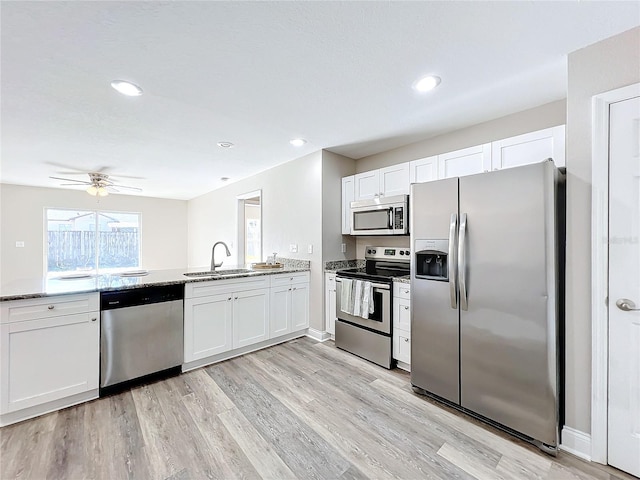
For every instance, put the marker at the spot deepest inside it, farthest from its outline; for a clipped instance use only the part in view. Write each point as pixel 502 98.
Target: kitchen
pixel 313 180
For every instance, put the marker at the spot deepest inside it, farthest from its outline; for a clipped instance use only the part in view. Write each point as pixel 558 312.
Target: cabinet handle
pixel 94 319
pixel 406 291
pixel 294 288
pixel 289 289
pixel 291 279
pixel 51 307
pixel 236 298
pixel 406 339
pixel 229 298
pixel 406 308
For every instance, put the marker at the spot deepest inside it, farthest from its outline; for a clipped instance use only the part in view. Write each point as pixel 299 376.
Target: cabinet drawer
pixel 402 314
pixel 402 290
pixel 287 278
pixel 47 307
pixel 402 347
pixel 218 287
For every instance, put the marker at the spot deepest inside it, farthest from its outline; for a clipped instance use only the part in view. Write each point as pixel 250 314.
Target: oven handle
pixel 381 286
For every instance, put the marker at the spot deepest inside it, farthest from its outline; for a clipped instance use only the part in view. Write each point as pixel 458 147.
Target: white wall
pixel 334 167
pixel 291 214
pixel 604 66
pixel 164 227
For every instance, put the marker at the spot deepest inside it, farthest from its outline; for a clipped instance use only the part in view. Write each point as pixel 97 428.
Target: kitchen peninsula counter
pixel 43 287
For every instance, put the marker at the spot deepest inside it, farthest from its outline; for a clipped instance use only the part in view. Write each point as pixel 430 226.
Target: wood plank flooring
pixel 300 410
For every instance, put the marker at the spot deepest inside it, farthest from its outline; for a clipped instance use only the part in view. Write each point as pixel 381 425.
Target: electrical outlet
pixel 19 244
pixel 310 249
pixel 293 248
pixel 343 248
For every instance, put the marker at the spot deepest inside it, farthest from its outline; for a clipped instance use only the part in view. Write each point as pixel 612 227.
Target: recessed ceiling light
pixel 224 179
pixel 427 83
pixel 297 142
pixel 225 144
pixel 127 88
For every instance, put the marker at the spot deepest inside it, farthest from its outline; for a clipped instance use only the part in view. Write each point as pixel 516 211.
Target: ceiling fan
pixel 98 184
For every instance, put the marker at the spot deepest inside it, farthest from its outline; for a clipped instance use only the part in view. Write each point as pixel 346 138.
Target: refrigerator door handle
pixel 453 269
pixel 462 262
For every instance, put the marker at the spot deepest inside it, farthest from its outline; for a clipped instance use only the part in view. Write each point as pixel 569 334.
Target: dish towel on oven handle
pixel 346 296
pixel 367 300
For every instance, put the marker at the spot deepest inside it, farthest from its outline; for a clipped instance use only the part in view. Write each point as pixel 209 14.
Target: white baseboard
pixel 318 335
pixel 576 442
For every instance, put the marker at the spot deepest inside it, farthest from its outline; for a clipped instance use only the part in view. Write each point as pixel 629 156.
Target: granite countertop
pixel 403 279
pixel 43 287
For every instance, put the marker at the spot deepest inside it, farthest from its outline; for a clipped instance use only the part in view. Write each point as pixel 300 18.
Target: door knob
pixel 626 305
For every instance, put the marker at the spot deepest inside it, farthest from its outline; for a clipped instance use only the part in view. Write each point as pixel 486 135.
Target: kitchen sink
pixel 218 273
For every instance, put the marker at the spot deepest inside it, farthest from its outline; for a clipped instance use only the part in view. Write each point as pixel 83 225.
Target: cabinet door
pixel 402 347
pixel 280 318
pixel 465 162
pixel 402 314
pixel 49 359
pixel 330 303
pixel 250 317
pixel 529 148
pixel 367 185
pixel 394 180
pixel 348 196
pixel 208 326
pixel 423 170
pixel 300 306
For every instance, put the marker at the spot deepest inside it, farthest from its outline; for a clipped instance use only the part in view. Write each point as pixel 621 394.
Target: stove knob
pixel 373 251
pixel 369 251
pixel 407 252
pixel 401 252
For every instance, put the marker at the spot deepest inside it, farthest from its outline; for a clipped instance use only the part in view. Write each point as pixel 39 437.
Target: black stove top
pixel 382 264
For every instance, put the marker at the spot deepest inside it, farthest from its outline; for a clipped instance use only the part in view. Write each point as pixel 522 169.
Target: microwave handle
pixel 390 212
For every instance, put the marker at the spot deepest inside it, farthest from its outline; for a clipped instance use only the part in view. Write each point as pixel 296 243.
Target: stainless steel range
pixel 364 304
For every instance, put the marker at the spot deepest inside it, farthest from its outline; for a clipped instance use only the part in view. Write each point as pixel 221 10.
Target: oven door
pixel 380 319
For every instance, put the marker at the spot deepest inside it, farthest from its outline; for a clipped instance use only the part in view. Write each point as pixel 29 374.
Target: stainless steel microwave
pixel 381 216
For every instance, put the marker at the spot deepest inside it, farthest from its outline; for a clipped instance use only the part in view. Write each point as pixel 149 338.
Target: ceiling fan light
pixel 102 191
pixel 92 190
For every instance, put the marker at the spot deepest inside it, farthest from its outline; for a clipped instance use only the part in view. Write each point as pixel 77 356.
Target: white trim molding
pixel 576 443
pixel 318 335
pixel 600 268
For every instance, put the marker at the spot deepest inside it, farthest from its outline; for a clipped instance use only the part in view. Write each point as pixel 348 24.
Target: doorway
pixel 249 227
pixel 616 280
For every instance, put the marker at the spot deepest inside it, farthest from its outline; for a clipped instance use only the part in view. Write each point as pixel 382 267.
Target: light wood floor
pixel 298 410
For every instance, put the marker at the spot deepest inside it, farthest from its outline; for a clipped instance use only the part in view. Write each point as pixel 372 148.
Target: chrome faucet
pixel 213 251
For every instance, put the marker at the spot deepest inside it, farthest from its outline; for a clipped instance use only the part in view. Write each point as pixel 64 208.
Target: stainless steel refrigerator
pixel 485 295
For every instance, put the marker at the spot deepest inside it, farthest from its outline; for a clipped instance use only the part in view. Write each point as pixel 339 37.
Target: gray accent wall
pixel 607 65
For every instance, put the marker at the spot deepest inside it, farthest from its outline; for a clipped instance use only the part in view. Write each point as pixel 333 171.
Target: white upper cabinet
pixel 387 181
pixel 423 170
pixel 367 185
pixel 394 180
pixel 530 148
pixel 465 162
pixel 348 195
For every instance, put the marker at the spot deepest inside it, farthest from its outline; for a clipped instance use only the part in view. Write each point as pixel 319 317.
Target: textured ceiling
pixel 260 73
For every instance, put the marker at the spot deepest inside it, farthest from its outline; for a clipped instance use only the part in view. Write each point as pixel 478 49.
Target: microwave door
pixel 372 220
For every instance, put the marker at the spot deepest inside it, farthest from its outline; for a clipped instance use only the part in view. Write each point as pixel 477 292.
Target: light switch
pixel 20 244
pixel 343 248
pixel 310 249
pixel 293 248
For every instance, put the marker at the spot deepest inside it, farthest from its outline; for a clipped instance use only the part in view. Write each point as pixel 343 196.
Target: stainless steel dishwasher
pixel 141 335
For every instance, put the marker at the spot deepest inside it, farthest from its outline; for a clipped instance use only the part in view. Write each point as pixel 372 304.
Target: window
pixel 250 227
pixel 91 241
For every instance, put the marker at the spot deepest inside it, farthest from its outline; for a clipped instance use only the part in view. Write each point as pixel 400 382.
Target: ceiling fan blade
pixel 71 180
pixel 112 190
pixel 75 184
pixel 125 186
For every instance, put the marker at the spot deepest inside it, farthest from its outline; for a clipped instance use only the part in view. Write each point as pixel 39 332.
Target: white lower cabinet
pixel 289 303
pixel 402 324
pixel 250 317
pixel 51 360
pixel 330 302
pixel 208 326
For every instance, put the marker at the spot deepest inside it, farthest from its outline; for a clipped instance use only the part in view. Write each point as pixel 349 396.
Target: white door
pixel 250 317
pixel 423 170
pixel 624 286
pixel 280 317
pixel 207 326
pixel 300 306
pixel 394 180
pixel 465 162
pixel 367 185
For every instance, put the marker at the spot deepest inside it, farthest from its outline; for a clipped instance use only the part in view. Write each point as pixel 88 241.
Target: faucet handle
pixel 275 254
